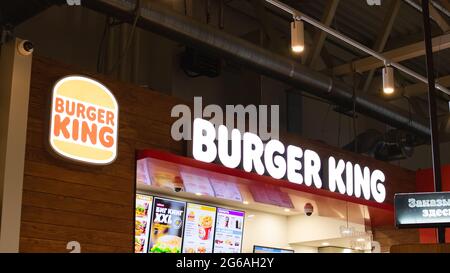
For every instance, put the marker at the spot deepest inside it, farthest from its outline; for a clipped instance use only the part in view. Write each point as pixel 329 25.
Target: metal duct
pixel 392 145
pixel 185 30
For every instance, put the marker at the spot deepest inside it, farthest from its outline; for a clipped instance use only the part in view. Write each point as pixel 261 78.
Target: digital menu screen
pixel 270 250
pixel 166 232
pixel 229 231
pixel 199 229
pixel 142 222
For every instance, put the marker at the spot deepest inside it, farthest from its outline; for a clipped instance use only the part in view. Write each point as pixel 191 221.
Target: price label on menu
pixel 142 222
pixel 229 230
pixel 199 229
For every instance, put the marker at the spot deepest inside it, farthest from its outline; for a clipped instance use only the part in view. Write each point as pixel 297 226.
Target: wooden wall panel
pixel 388 236
pixel 63 201
pixel 421 248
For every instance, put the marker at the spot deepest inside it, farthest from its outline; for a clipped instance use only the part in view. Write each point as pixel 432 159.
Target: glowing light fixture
pixel 388 80
pixel 297 36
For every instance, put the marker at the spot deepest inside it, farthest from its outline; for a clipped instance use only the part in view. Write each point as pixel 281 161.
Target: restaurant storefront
pixel 135 189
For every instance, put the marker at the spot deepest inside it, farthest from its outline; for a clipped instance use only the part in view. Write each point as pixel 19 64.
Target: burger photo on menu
pixel 140 227
pixel 142 222
pixel 166 232
pixel 139 244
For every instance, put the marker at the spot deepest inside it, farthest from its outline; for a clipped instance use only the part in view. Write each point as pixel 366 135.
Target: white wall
pixel 280 231
pixel 265 229
pixel 302 228
pixel 305 249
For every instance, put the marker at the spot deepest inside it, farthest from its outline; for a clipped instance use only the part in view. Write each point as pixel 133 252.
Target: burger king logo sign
pixel 84 121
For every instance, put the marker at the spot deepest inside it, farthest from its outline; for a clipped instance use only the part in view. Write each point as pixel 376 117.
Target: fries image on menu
pixel 204 227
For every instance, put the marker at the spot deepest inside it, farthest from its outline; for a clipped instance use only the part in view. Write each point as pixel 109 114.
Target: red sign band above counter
pixel 297 165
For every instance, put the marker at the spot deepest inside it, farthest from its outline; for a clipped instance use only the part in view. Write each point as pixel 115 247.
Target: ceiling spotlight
pixel 287 210
pixel 388 80
pixel 297 36
pixel 325 244
pixel 245 202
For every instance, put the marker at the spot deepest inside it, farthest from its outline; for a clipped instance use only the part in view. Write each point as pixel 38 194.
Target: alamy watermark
pixel 73 2
pixel 250 118
pixel 74 247
pixel 374 2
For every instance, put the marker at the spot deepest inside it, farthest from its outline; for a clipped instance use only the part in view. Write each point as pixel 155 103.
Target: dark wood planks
pixel 65 202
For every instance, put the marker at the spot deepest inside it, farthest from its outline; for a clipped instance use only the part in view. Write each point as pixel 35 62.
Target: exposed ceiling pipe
pixel 186 30
pixel 300 16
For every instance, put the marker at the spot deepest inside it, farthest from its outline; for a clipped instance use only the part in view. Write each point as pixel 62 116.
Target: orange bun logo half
pixel 84 121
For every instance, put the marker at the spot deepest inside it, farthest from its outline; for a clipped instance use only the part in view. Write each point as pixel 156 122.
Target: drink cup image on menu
pixel 229 231
pixel 199 229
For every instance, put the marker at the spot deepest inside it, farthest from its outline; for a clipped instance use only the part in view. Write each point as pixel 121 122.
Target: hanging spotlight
pixel 388 80
pixel 297 36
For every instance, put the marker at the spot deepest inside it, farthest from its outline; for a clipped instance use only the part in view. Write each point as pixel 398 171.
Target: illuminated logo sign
pixel 297 165
pixel 84 121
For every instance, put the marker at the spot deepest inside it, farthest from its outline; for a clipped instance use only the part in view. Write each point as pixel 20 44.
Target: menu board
pixel 168 181
pixel 142 172
pixel 270 195
pixel 197 184
pixel 142 222
pixel 229 230
pixel 226 190
pixel 167 226
pixel 199 229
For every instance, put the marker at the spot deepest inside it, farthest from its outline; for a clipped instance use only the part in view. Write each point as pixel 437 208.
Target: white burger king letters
pixel 299 166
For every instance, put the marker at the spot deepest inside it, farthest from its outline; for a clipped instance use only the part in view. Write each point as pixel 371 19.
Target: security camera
pixel 178 189
pixel 25 48
pixel 309 209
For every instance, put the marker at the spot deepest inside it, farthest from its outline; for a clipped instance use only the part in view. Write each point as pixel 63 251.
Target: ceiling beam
pixel 382 39
pixel 320 36
pixel 446 4
pixel 396 55
pixel 422 88
pixel 439 19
